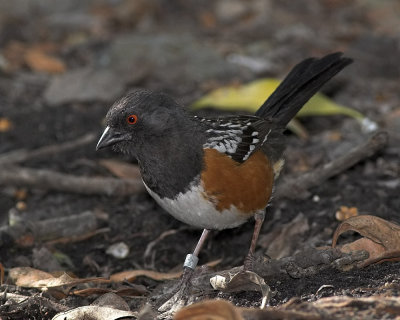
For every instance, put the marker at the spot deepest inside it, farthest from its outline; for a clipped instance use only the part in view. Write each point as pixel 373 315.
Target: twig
pixel 291 187
pixel 27 233
pixel 50 180
pixel 295 188
pixel 18 156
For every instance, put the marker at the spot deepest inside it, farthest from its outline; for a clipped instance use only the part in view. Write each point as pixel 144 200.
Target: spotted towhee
pixel 213 173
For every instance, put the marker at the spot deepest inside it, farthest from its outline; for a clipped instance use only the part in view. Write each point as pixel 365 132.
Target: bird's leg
pixel 179 295
pixel 192 258
pixel 248 261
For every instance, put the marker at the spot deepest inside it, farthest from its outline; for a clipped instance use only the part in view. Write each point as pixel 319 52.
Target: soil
pixel 282 34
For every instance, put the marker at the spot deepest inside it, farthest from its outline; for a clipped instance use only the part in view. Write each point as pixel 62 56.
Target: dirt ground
pixel 63 63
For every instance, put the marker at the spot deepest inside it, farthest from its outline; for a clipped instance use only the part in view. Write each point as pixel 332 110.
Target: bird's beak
pixel 110 137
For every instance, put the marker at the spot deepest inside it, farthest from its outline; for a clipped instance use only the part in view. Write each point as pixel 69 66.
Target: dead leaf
pixel 65 280
pixel 243 281
pixel 111 300
pixel 346 212
pixel 371 227
pixel 39 60
pixel 209 310
pixel 95 313
pixel 121 169
pixel 34 278
pixel 5 125
pixel 374 249
pixel 131 275
pixel 381 238
pixel 25 276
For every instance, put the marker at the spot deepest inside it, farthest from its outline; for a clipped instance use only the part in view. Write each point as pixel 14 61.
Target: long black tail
pixel 305 79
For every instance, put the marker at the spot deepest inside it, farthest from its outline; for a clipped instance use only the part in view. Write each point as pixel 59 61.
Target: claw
pixel 179 296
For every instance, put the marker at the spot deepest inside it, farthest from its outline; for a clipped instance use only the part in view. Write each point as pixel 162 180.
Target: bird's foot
pixel 179 296
pixel 248 264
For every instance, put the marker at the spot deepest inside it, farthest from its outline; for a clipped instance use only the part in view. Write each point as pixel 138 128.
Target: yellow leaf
pixel 251 96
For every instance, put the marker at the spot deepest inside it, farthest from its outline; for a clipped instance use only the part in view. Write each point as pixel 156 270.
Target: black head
pixel 141 117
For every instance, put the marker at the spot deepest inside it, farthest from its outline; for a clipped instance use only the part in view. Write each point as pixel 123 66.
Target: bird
pixel 213 173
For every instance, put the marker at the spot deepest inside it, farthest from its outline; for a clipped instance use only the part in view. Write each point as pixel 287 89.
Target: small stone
pixel 118 250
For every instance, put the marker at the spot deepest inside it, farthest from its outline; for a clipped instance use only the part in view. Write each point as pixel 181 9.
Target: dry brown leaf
pixel 95 313
pixel 381 238
pixel 25 276
pixel 5 125
pixel 131 275
pixel 345 212
pixel 39 60
pixel 121 169
pixel 34 278
pixel 374 249
pixel 371 227
pixel 209 310
pixel 65 280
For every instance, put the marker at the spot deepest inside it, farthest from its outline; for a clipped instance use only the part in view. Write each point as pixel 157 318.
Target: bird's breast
pixel 226 195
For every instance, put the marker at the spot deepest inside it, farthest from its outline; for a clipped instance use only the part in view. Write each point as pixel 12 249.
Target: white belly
pixel 192 208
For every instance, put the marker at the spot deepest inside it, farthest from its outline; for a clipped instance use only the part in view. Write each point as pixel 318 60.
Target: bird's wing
pixel 237 136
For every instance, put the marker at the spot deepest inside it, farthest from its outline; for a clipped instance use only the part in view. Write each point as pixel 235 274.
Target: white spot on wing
pixel 266 137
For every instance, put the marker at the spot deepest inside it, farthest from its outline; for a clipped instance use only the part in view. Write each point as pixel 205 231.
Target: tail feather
pixel 303 81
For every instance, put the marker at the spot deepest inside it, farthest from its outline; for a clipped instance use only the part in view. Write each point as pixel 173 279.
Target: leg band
pixel 191 261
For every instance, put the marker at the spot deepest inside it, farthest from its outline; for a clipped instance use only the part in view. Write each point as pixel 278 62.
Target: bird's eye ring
pixel 131 119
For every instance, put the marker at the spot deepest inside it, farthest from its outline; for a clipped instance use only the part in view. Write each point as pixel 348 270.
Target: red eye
pixel 132 119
